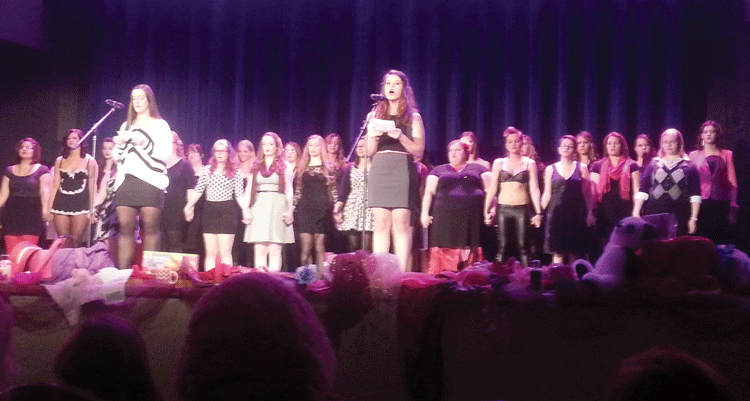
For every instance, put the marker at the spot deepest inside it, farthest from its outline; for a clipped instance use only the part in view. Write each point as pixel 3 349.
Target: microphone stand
pixel 92 132
pixel 366 171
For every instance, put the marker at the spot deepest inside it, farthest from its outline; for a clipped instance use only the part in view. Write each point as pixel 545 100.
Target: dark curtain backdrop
pixel 235 69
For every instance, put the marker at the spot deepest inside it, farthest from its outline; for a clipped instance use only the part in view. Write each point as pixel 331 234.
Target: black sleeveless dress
pixel 22 214
pixel 566 214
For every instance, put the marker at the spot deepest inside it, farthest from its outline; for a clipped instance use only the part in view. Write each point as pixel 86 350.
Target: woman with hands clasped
pixel 455 216
pixel 314 193
pixel 73 185
pixel 269 189
pixel 24 195
pixel 718 182
pixel 515 182
pixel 222 183
pixel 350 210
pixel 392 187
pixel 141 145
pixel 616 178
pixel 671 184
pixel 567 190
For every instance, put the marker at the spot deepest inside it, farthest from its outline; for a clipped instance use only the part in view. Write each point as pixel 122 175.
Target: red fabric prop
pixel 680 265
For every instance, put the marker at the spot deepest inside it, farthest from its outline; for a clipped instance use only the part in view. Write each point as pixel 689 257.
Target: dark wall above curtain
pixel 235 69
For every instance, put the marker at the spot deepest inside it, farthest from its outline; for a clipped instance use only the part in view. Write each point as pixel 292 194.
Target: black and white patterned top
pixel 145 161
pixel 219 187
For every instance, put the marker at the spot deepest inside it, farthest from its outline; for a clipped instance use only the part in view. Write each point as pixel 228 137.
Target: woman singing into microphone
pixel 392 192
pixel 142 144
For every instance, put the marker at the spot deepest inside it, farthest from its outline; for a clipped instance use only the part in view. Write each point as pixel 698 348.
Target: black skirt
pixel 134 192
pixel 220 217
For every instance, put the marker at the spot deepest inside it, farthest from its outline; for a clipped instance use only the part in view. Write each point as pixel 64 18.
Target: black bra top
pixel 520 177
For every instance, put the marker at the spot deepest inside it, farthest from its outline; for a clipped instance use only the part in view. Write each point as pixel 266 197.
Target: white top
pixel 145 161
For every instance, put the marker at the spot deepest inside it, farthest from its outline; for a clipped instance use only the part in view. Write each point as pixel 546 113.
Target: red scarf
pixel 621 173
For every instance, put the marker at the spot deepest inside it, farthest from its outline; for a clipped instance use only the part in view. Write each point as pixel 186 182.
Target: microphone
pixel 114 103
pixel 377 97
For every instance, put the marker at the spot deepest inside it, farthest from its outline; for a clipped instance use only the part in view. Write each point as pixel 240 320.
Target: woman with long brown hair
pixel 351 211
pixel 585 148
pixel 107 227
pixel 224 193
pixel 181 180
pixel 335 149
pixel 616 179
pixel 73 186
pixel 644 151
pixel 393 191
pixel 718 183
pixel 142 142
pixel 272 208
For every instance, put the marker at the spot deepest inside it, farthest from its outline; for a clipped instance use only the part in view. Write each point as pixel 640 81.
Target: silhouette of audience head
pixel 667 373
pixel 6 341
pixel 106 356
pixel 253 338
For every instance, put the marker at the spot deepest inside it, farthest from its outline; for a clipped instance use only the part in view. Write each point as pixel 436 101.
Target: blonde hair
pixel 678 135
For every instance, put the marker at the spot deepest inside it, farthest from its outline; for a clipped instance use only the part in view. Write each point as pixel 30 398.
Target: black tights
pixel 306 249
pixel 172 241
pixel 150 234
pixel 355 240
pixel 518 215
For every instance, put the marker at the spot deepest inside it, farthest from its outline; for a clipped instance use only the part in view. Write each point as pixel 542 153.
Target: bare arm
pixel 289 193
pixel 636 181
pixel 247 195
pixel 547 194
pixel 588 196
pixel 486 179
pixel 415 145
pixel 101 193
pixel 373 137
pixel 44 182
pixel 194 194
pixel 492 189
pixel 93 171
pixel 429 192
pixel 640 197
pixel 55 182
pixel 732 177
pixel 5 191
pixel 534 192
pixel 594 184
pixel 534 187
pixel 242 198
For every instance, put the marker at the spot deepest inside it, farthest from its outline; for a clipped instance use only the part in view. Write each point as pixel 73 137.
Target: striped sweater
pixel 145 161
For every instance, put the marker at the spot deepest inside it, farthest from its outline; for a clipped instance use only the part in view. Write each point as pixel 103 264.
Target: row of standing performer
pixel 145 179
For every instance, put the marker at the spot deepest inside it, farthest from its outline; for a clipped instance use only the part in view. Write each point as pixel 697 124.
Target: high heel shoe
pixel 187 271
